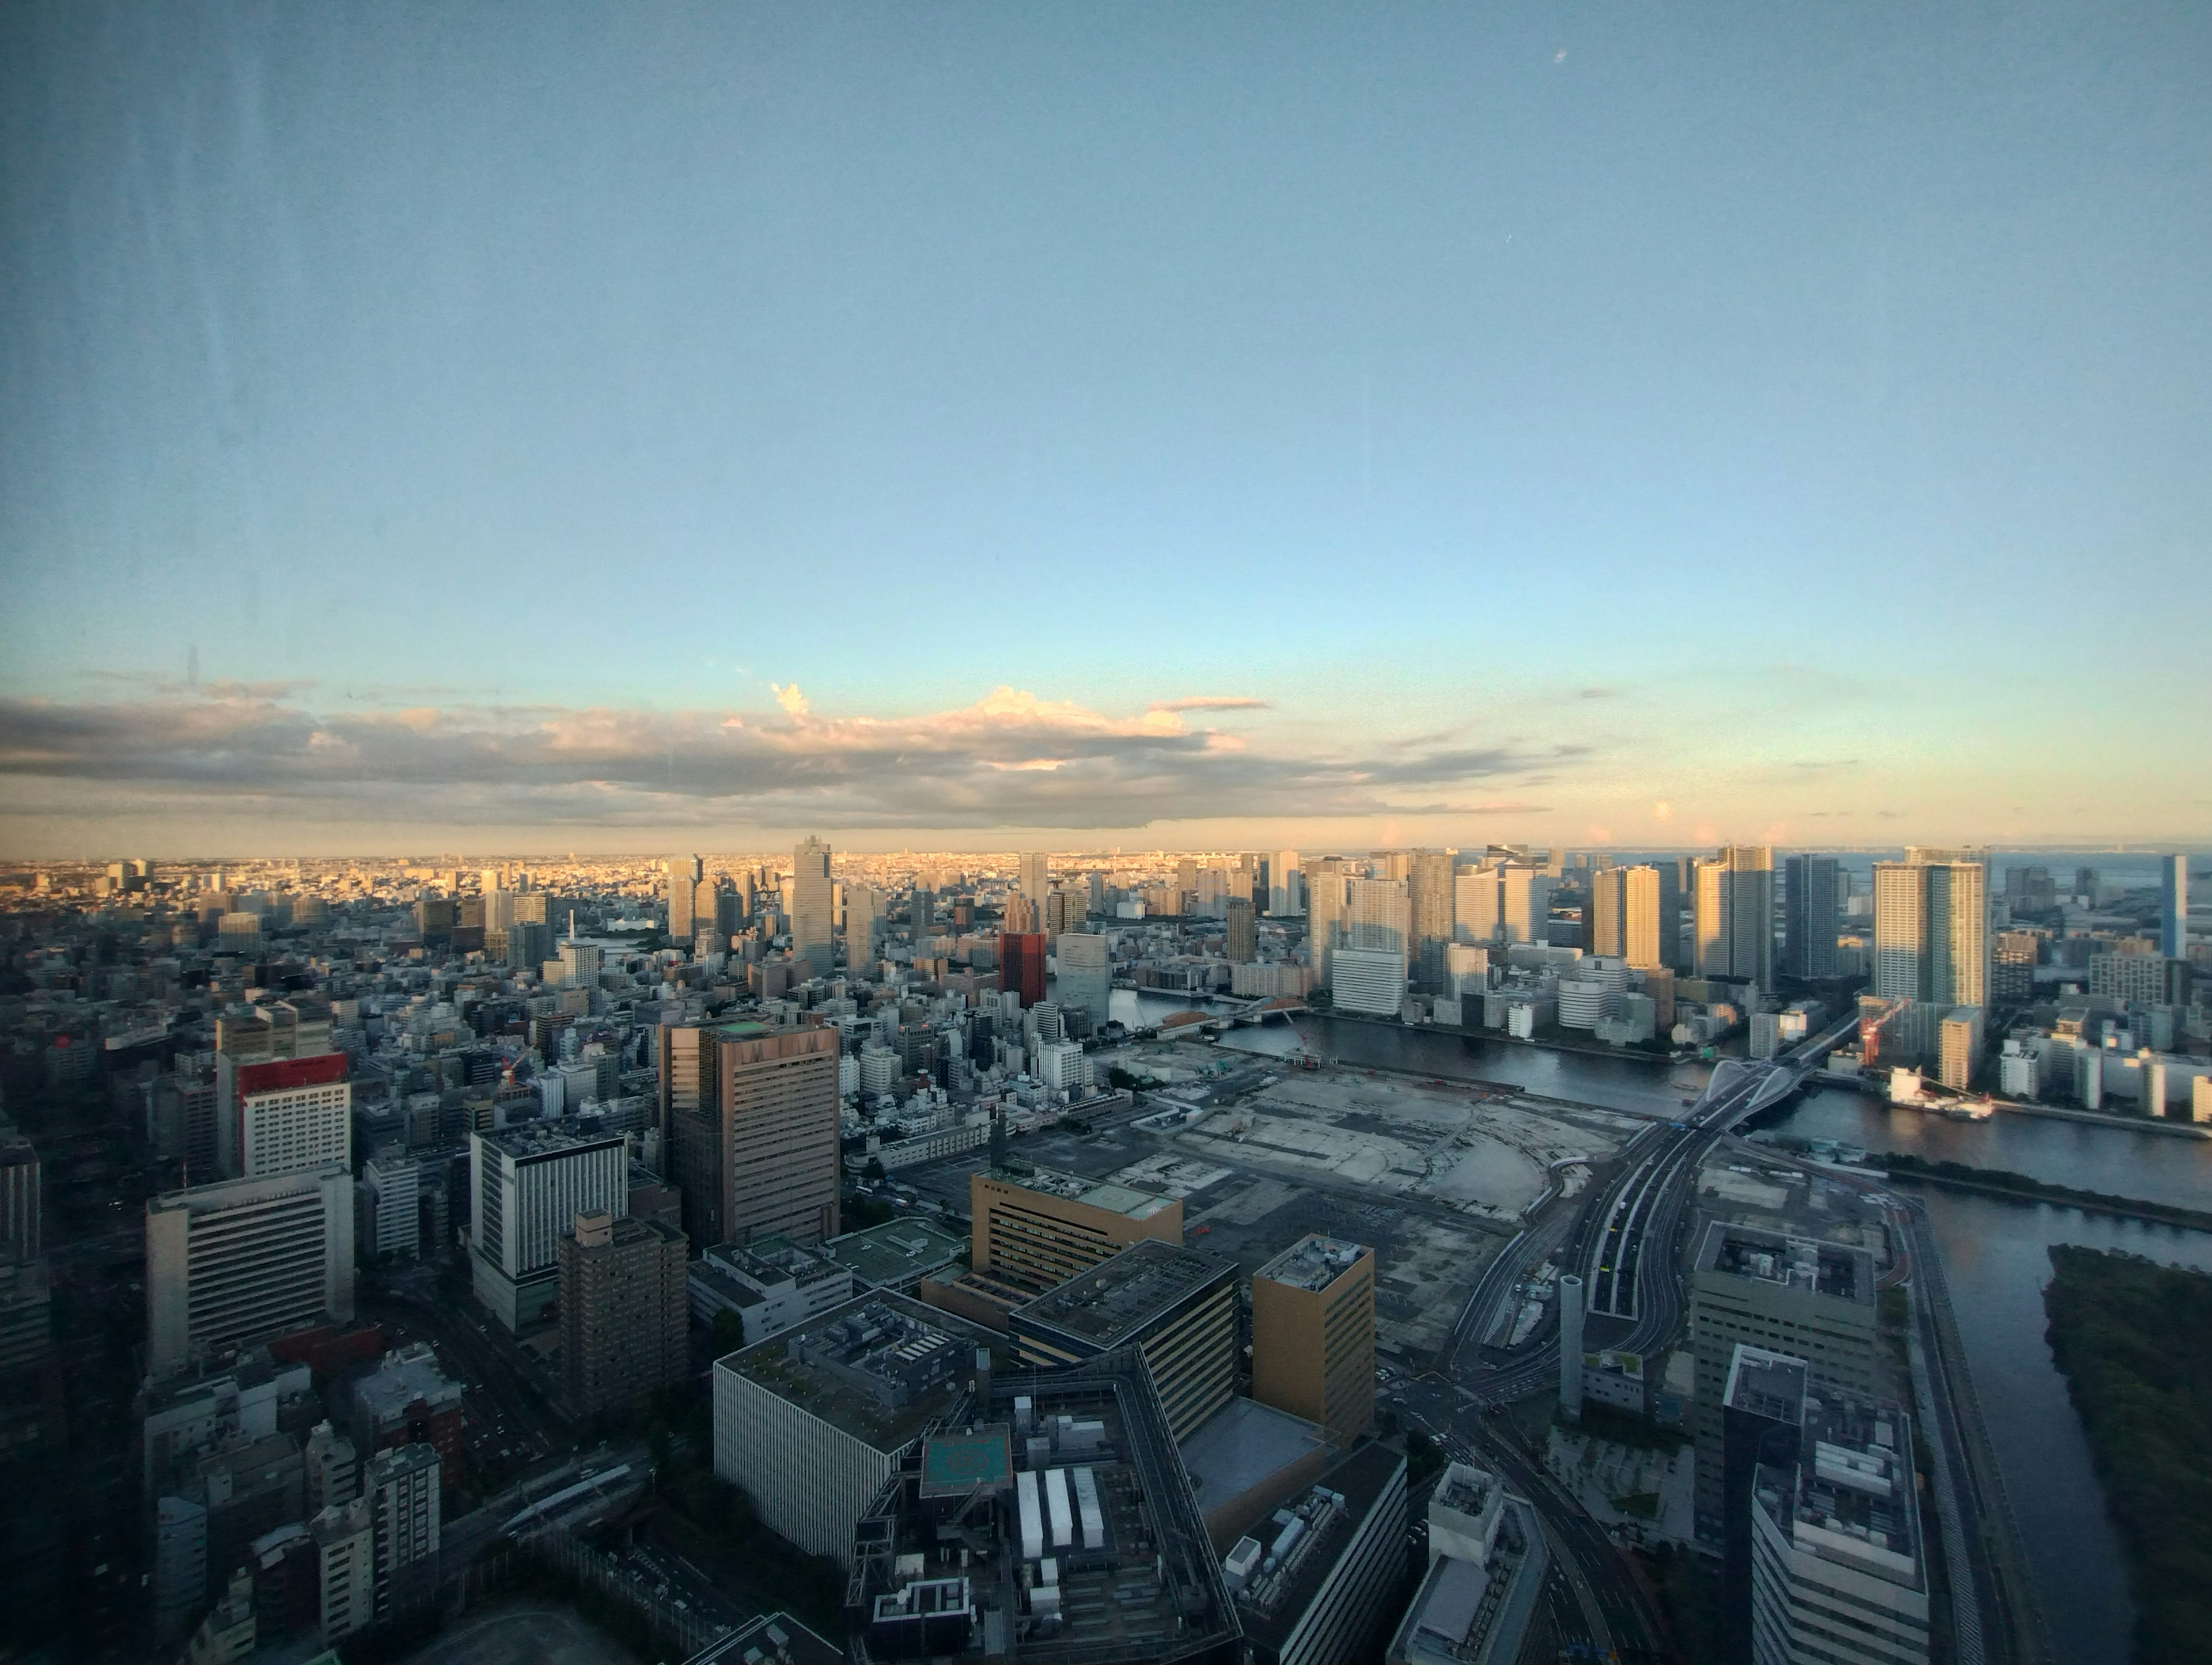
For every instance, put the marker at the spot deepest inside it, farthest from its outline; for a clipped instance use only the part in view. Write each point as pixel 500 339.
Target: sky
pixel 1153 426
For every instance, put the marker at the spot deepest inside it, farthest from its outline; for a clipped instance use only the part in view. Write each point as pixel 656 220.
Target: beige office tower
pixel 682 887
pixel 864 924
pixel 1477 905
pixel 813 908
pixel 1285 884
pixel 1625 919
pixel 1313 1335
pixel 1035 876
pixel 622 1311
pixel 750 1120
pixel 1326 877
pixel 1429 897
pixel 1525 903
pixel 1735 914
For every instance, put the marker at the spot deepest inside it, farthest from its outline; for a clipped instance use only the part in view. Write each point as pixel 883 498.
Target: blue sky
pixel 1541 416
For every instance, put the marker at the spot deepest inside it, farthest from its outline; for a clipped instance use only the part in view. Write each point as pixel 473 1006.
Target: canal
pixel 1996 1253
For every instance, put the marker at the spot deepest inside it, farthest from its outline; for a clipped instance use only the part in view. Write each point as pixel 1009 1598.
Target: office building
pixel 1627 920
pixel 21 1197
pixel 528 1183
pixel 387 1210
pixel 1958 1047
pixel 750 1120
pixel 1325 879
pixel 1038 1230
pixel 683 888
pixel 1313 1335
pixel 623 1311
pixel 293 1114
pixel 2130 980
pixel 1735 915
pixel 1082 1544
pixel 242 1261
pixel 811 1423
pixel 1368 979
pixel 1525 903
pixel 1487 1564
pixel 1177 1306
pixel 1478 906
pixel 1286 884
pixel 1823 1562
pixel 1315 1582
pixel 402 1487
pixel 813 908
pixel 344 1536
pixel 2014 956
pixel 1428 902
pixel 407 1399
pixel 1085 978
pixel 581 963
pixel 1241 947
pixel 897 1254
pixel 1034 876
pixel 1759 1288
pixel 2173 907
pixel 864 924
pixel 1811 913
pixel 1022 965
pixel 773 1283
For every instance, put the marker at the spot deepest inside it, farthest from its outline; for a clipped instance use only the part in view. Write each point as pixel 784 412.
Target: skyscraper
pixel 864 922
pixel 1429 898
pixel 1036 875
pixel 292 1113
pixel 1242 943
pixel 751 1119
pixel 1477 905
pixel 1931 928
pixel 1021 965
pixel 1810 911
pixel 1285 884
pixel 683 872
pixel 1625 915
pixel 1324 880
pixel 528 1183
pixel 1735 914
pixel 813 908
pixel 1525 903
pixel 2173 907
pixel 1086 978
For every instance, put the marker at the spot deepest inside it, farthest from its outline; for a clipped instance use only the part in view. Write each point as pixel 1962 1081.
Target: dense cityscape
pixel 767 1251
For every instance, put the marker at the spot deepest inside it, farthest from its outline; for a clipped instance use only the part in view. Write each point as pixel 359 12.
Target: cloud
pixel 1597 693
pixel 1662 810
pixel 789 696
pixel 1010 759
pixel 1213 703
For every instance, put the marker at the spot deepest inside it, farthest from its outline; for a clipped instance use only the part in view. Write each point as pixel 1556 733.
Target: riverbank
pixel 2131 1124
pixel 2134 1341
pixel 2020 1188
pixel 1545 1043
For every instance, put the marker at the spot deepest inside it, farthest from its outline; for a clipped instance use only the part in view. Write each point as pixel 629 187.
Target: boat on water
pixel 1969 1109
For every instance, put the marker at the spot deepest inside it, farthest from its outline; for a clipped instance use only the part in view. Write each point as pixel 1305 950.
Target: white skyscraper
pixel 1286 891
pixel 1525 903
pixel 1036 878
pixel 1931 933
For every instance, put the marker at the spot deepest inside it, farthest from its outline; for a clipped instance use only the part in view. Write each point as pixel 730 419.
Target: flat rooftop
pixel 1849 1499
pixel 1241 1444
pixel 1313 1263
pixel 1097 1194
pixel 1332 1511
pixel 878 1367
pixel 896 1252
pixel 1768 1384
pixel 1758 1255
pixel 539 1139
pixel 1115 1299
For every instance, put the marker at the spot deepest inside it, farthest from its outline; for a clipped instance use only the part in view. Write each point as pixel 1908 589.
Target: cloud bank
pixel 1010 759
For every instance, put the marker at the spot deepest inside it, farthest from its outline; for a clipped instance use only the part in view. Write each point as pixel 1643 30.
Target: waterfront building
pixel 1241 945
pixel 528 1184
pixel 1931 928
pixel 1429 901
pixel 2173 907
pixel 242 1261
pixel 1313 1334
pixel 1326 877
pixel 1085 978
pixel 1478 906
pixel 1175 1305
pixel 1625 916
pixel 1735 915
pixel 1811 915
pixel 1755 1287
pixel 1525 903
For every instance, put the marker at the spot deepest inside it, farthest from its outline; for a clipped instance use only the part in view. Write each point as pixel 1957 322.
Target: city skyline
pixel 1486 450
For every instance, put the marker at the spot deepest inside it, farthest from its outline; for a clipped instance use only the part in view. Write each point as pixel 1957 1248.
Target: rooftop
pixel 1849 1499
pixel 897 1252
pixel 1789 1262
pixel 1768 1384
pixel 538 1138
pixel 1312 1263
pixel 1097 1194
pixel 1468 1612
pixel 1121 1295
pixel 879 1368
pixel 1274 1581
pixel 1241 1444
pixel 410 1373
pixel 771 1262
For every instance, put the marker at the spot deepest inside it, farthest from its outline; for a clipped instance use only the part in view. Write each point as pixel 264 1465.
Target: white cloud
pixel 789 696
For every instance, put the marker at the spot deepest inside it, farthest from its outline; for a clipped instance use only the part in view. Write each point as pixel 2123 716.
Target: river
pixel 1996 1253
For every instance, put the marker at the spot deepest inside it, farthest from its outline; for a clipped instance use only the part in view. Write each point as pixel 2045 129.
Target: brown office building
pixel 1039 1230
pixel 750 1118
pixel 1313 1334
pixel 1021 965
pixel 622 1311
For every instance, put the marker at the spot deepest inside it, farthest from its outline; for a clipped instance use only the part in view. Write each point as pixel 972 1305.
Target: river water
pixel 1996 1255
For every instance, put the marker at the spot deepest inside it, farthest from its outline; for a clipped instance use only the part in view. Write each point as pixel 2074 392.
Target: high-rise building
pixel 22 1208
pixel 1478 906
pixel 407 1399
pixel 402 1488
pixel 1812 911
pixel 1313 1335
pixel 813 908
pixel 1377 913
pixel 750 1115
pixel 1735 907
pixel 1022 965
pixel 1086 974
pixel 1325 879
pixel 1242 945
pixel 1525 902
pixel 345 1556
pixel 1750 1285
pixel 1367 980
pixel 293 1114
pixel 863 924
pixel 1931 931
pixel 623 1311
pixel 242 1261
pixel 1036 876
pixel 1286 884
pixel 387 1214
pixel 682 886
pixel 1021 916
pixel 2173 907
pixel 1429 909
pixel 1176 1305
pixel 2014 956
pixel 528 1183
pixel 1625 916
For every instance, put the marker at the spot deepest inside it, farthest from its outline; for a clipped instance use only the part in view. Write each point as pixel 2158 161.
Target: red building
pixel 1021 964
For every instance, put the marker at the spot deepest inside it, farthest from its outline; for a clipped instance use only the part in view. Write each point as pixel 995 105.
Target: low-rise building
pixel 409 1399
pixel 897 1254
pixel 769 1284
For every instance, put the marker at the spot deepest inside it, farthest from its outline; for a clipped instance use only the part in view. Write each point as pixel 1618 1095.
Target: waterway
pixel 1996 1253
